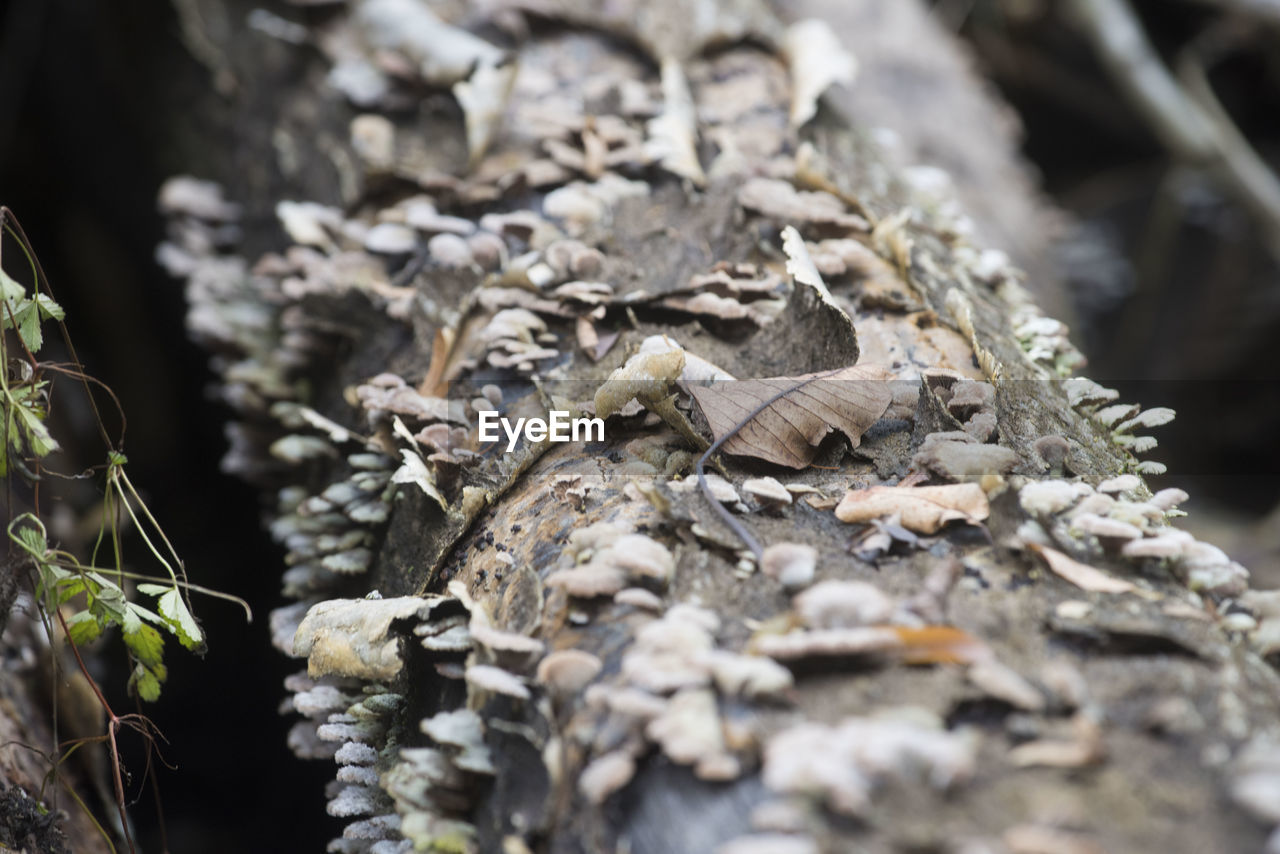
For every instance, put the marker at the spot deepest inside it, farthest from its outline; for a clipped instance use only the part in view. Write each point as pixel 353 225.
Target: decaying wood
pixel 596 665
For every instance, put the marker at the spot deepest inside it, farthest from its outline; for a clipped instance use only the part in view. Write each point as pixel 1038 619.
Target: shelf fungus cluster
pixel 538 646
pixel 1113 521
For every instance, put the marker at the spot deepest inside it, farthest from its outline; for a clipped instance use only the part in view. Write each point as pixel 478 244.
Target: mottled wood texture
pixel 1163 695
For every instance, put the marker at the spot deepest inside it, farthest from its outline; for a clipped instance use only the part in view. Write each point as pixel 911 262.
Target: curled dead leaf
pixel 1081 575
pixel 923 509
pixel 789 429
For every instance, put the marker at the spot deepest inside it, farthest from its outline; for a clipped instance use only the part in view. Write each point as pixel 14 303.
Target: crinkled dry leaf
pixel 817 60
pixel 788 430
pixel 1081 575
pixel 923 509
pixel 483 98
pixel 673 134
pixel 595 340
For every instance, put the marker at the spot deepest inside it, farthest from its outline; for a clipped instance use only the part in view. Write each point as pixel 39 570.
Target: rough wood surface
pixel 593 663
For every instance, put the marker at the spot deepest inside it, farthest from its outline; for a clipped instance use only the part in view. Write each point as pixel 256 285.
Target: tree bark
pixel 965 699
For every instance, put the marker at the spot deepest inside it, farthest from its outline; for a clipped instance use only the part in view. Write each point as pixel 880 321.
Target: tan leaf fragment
pixel 788 431
pixel 595 340
pixel 1081 575
pixel 924 509
pixel 1084 747
pixel 817 60
pixel 673 133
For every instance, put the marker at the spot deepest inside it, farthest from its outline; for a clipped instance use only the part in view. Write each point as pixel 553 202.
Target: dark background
pixel 1177 304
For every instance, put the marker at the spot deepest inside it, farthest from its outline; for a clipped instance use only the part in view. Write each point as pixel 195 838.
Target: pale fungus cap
pixel 689 733
pixel 1167 499
pixel 1104 527
pixel 638 597
pixel 641 556
pixel 605 775
pixel 1049 497
pixel 843 604
pixel 820 642
pixel 589 580
pixel 767 491
pixel 484 677
pixel 792 564
pixel 749 675
pixel 1168 544
pixel 842 764
pixel 1120 483
pixel 567 672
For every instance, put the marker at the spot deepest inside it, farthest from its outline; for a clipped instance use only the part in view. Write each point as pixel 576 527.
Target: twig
pixel 1191 125
pixel 113 725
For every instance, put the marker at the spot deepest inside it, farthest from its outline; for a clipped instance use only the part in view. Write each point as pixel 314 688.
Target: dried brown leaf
pixel 595 340
pixel 788 431
pixel 1081 575
pixel 923 509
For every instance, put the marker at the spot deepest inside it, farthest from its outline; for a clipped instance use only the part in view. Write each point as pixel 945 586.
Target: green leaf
pixel 38 437
pixel 173 609
pixel 33 541
pixel 110 604
pixel 150 616
pixel 83 627
pixel 10 291
pixel 147 646
pixel 132 621
pixel 69 588
pixel 49 310
pixel 153 589
pixel 145 684
pixel 28 318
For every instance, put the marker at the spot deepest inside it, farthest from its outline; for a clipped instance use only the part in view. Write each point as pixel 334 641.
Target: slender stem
pixel 112 725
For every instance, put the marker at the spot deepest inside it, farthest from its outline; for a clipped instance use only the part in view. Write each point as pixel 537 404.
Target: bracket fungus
pixel 352 637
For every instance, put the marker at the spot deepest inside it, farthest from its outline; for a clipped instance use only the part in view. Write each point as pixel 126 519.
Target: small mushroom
pixel 689 732
pixel 640 556
pixel 792 564
pixel 1053 450
pixel 749 675
pixel 768 491
pixel 837 642
pixel 843 604
pixel 1048 497
pixel 1121 483
pixel 390 238
pixel 1105 528
pixel 506 646
pixel 638 597
pixel 1169 544
pixel 567 672
pixel 1167 499
pixel 484 677
pixel 605 775
pixel 588 581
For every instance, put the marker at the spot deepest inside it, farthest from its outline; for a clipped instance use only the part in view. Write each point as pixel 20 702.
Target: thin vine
pixel 83 599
